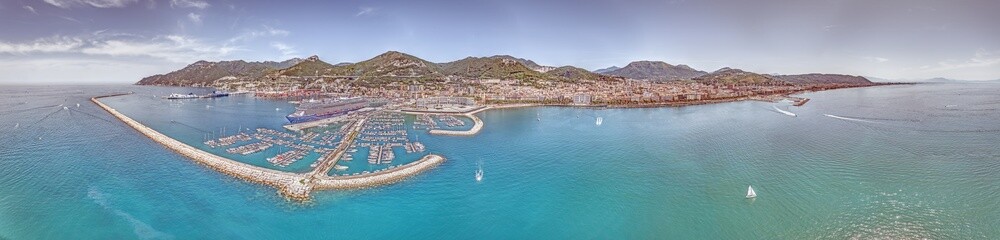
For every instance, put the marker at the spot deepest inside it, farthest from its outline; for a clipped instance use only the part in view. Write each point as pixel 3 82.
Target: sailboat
pixel 538 117
pixel 750 192
pixel 599 121
pixel 479 174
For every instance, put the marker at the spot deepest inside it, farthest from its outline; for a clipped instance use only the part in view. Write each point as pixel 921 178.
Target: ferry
pixel 216 94
pixel 182 96
pixel 313 110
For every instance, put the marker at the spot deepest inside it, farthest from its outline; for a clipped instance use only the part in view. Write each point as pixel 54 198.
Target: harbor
pixel 296 186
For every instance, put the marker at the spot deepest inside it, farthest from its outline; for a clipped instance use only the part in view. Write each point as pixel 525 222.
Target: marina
pixel 296 186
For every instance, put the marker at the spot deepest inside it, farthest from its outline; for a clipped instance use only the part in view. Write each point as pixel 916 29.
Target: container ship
pixel 313 110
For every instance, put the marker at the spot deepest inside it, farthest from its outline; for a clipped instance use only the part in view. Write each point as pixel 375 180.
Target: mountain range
pixel 655 70
pixel 393 66
pixel 204 73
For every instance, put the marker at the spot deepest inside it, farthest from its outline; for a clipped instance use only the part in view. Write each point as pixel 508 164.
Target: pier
pixel 292 185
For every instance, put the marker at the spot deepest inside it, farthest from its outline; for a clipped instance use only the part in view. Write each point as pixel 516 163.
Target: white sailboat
pixel 599 121
pixel 479 174
pixel 750 192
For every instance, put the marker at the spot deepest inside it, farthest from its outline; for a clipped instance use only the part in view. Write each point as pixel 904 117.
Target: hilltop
pixel 496 67
pixel 311 66
pixel 607 69
pixel 737 76
pixel 390 64
pixel 819 78
pixel 655 70
pixel 204 73
pixel 572 74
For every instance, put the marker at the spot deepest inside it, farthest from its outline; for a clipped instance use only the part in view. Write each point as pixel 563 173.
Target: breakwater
pixel 476 127
pixel 386 176
pixel 292 185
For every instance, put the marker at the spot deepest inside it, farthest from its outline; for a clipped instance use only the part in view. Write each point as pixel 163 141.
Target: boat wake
pixel 141 229
pixel 784 111
pixel 848 119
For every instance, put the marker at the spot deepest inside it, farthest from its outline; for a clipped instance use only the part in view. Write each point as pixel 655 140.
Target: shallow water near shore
pixel 906 161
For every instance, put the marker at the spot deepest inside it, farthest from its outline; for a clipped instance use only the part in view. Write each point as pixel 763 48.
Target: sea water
pixel 903 161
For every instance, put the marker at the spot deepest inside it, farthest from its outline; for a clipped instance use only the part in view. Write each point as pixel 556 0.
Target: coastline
pixel 291 185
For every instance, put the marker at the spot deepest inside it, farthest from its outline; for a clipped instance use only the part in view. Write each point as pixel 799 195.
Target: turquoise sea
pixel 904 161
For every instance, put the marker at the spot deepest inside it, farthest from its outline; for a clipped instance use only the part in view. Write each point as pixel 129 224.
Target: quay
pixel 292 185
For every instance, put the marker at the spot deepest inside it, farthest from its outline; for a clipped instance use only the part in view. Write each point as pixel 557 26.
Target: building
pixel 582 99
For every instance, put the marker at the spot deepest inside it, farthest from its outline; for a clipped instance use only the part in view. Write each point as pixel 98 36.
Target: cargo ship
pixel 312 110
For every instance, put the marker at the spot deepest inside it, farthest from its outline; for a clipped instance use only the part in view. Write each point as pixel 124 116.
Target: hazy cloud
pixel 876 59
pixel 265 31
pixel 286 50
pixel 981 59
pixel 30 9
pixel 189 4
pixel 172 48
pixel 195 18
pixel 92 3
pixel 364 11
pixel 44 45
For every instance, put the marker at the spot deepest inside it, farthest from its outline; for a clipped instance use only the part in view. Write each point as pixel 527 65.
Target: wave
pixel 141 229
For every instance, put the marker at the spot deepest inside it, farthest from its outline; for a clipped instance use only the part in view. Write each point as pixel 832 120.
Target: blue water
pixel 910 161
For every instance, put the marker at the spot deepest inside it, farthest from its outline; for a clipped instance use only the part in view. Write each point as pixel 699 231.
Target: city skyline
pixel 121 41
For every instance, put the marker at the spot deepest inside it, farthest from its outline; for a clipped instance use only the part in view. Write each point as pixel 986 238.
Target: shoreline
pixel 296 186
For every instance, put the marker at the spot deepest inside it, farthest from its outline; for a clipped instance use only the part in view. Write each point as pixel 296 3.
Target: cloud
pixel 92 3
pixel 30 9
pixel 195 18
pixel 286 50
pixel 70 19
pixel 171 48
pixel 189 4
pixel 364 11
pixel 876 59
pixel 45 45
pixel 265 31
pixel 981 59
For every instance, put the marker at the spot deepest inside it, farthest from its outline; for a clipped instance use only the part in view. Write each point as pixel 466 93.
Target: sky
pixel 122 41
